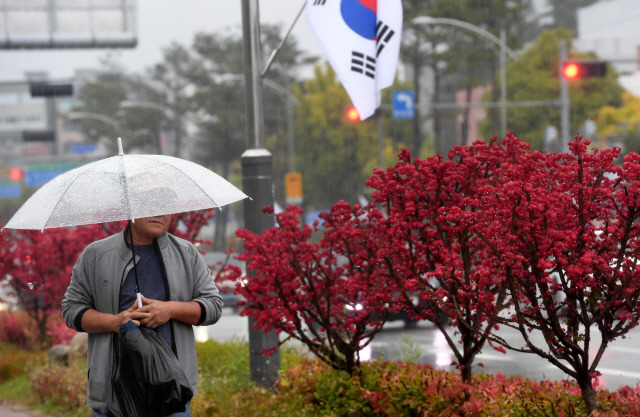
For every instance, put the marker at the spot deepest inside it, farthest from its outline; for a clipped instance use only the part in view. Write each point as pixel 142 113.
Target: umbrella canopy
pixel 124 187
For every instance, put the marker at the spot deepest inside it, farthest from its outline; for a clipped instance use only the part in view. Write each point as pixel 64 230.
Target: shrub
pixel 225 387
pixel 64 387
pixel 400 389
pixel 59 333
pixel 309 387
pixel 16 328
pixel 14 362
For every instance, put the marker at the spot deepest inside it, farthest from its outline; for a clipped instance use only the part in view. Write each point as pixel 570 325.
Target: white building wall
pixel 609 28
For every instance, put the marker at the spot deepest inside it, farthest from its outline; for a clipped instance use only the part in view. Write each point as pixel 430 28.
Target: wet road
pixel 424 342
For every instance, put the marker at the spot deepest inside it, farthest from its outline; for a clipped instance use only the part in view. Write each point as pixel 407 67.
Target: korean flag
pixel 361 39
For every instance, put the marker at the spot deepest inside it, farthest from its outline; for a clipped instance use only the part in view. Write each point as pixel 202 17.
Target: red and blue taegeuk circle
pixel 360 16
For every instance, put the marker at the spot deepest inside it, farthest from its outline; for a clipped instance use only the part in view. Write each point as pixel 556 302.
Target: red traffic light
pixel 352 114
pixel 571 71
pixel 15 174
pixel 584 69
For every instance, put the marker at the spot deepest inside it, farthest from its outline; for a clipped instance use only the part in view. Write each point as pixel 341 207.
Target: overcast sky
pixel 160 22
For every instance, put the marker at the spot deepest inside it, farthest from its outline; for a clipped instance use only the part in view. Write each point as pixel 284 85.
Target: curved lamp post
pixel 77 115
pixel 144 104
pixel 498 42
pixel 121 131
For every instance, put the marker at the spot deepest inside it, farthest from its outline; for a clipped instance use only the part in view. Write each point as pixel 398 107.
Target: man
pixel 177 293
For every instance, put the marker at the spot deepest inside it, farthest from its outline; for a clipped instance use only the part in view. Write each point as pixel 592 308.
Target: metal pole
pixel 291 136
pixel 564 98
pixel 380 139
pixel 257 182
pixel 253 79
pixel 503 82
pixel 51 123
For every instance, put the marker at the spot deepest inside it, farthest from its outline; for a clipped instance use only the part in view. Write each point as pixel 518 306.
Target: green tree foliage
pixel 458 59
pixel 219 96
pixel 621 123
pixel 534 77
pixel 333 151
pixel 102 95
pixel 334 155
pixel 201 85
pixel 171 81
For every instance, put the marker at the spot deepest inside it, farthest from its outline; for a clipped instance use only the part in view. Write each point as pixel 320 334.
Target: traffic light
pixel 38 136
pixel 50 90
pixel 15 174
pixel 352 114
pixel 573 70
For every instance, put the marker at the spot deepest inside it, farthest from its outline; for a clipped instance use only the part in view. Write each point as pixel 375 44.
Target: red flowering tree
pixel 187 225
pixel 318 293
pixel 36 266
pixel 430 250
pixel 564 233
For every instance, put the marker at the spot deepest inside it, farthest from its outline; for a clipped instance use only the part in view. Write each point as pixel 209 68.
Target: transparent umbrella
pixel 124 187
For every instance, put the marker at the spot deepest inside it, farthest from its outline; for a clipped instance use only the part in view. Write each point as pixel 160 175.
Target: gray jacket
pixel 95 284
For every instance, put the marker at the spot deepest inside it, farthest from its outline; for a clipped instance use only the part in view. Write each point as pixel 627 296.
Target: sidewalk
pixel 14 410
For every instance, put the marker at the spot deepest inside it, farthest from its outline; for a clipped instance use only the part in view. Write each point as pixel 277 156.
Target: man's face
pixel 148 228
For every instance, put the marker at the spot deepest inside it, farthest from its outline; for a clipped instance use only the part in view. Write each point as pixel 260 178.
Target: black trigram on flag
pixel 383 35
pixel 363 64
pixel 319 2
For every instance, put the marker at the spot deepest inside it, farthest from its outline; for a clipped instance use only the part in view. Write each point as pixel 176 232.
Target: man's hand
pixel 158 312
pixel 131 314
pixel 94 321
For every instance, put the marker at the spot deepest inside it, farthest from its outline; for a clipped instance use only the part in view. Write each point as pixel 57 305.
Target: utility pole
pixel 257 183
pixel 564 98
pixel 503 82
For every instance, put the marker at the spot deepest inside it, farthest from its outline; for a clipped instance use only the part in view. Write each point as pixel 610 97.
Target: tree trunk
pixel 588 393
pixel 465 372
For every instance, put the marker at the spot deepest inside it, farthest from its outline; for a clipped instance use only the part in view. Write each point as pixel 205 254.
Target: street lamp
pixel 96 116
pixel 499 42
pixel 144 104
pixel 121 132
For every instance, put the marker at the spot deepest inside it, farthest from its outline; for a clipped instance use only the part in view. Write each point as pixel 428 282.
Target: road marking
pixel 619 372
pixel 623 349
pixel 488 357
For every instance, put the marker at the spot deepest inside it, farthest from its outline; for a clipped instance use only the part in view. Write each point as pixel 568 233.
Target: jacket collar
pixel 123 248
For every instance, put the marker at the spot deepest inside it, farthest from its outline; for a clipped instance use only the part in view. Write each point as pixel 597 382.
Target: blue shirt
pixel 151 284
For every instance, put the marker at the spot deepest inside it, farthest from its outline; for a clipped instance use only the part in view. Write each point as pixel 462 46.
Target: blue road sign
pixel 403 104
pixel 37 175
pixel 8 190
pixel 84 148
pixel 37 178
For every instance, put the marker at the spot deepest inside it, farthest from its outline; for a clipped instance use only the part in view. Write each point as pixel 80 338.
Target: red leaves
pixel 317 293
pixel 553 238
pixel 187 225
